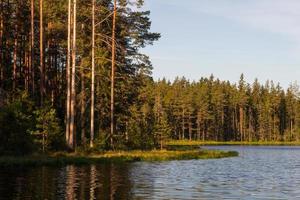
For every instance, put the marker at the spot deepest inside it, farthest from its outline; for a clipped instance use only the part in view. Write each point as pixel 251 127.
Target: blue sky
pixel 260 38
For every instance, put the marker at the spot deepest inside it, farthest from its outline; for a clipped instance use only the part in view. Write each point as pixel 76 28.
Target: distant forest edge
pixel 214 110
pixel 72 77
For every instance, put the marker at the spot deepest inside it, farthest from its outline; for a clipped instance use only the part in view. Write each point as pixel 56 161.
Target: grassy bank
pixel 112 157
pixel 203 143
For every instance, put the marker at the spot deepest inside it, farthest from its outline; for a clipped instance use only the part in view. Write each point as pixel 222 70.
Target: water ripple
pixel 258 173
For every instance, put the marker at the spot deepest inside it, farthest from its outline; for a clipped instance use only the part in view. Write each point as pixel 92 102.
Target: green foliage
pixel 147 113
pixel 15 121
pixel 133 68
pixel 214 110
pixel 139 131
pixel 162 130
pixel 48 130
pixel 23 125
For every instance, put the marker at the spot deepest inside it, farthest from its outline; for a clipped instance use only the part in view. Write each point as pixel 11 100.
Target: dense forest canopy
pixel 210 109
pixel 72 76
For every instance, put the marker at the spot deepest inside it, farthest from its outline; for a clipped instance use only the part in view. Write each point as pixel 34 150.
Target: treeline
pixel 72 76
pixel 215 110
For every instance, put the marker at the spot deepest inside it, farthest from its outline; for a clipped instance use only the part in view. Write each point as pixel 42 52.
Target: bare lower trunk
pixel 161 143
pixel 82 108
pixel 42 70
pixel 291 131
pixel 93 76
pixel 73 87
pixel 68 77
pixel 26 70
pixel 203 131
pixel 190 128
pixel 250 127
pixel 2 47
pixel 113 59
pixel 31 46
pixel 183 125
pixel 15 58
pixel 241 123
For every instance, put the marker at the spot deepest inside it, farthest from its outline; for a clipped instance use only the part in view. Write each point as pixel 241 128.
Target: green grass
pixel 203 143
pixel 113 157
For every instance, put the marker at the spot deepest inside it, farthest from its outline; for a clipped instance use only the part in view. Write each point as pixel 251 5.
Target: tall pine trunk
pixel 42 69
pixel 183 125
pixel 82 110
pixel 73 86
pixel 2 46
pixel 113 59
pixel 93 77
pixel 190 128
pixel 15 57
pixel 68 76
pixel 241 123
pixel 31 48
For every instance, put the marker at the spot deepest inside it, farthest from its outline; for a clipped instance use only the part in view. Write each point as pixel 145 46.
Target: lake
pixel 264 172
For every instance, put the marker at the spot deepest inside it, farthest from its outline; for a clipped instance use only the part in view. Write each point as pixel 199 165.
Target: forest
pixel 72 76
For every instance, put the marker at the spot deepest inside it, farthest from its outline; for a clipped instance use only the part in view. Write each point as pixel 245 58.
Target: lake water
pixel 258 173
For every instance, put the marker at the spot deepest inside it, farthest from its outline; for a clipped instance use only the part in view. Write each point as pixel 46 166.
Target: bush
pixel 23 125
pixel 47 129
pixel 15 121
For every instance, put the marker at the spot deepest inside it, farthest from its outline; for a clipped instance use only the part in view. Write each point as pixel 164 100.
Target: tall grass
pixel 113 157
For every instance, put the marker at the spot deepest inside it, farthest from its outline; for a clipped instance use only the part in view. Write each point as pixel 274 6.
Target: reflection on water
pixel 258 173
pixel 70 182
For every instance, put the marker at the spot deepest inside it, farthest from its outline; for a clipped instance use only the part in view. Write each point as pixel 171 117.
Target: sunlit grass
pixel 113 156
pixel 167 155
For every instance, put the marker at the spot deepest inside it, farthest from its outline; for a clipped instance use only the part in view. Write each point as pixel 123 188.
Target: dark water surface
pixel 258 173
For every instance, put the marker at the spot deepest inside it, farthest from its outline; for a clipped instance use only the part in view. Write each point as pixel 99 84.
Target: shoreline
pixel 228 143
pixel 63 159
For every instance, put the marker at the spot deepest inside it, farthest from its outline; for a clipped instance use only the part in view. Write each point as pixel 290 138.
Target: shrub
pixel 15 121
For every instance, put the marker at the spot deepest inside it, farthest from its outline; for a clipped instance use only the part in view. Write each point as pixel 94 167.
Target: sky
pixel 260 38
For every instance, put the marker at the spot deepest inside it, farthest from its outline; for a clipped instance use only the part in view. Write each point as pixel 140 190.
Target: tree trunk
pixel 274 126
pixel 15 57
pixel 73 86
pixel 2 47
pixel 113 59
pixel 190 128
pixel 291 131
pixel 48 65
pixel 198 128
pixel 26 69
pixel 161 142
pixel 31 48
pixel 203 131
pixel 183 125
pixel 241 123
pixel 82 112
pixel 93 77
pixel 223 131
pixel 42 69
pixel 68 76
pixel 250 137
pixel 236 124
